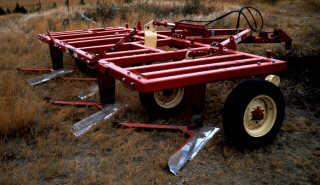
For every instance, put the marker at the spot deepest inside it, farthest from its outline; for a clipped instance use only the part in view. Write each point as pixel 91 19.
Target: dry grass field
pixel 28 4
pixel 36 143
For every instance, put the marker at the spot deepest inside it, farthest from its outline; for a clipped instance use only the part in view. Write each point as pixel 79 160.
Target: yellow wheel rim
pixel 169 98
pixel 260 116
pixel 273 79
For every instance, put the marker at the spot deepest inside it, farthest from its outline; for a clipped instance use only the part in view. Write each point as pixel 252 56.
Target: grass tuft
pixel 18 109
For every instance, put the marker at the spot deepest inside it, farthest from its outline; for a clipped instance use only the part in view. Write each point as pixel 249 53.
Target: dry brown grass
pixel 18 107
pixel 16 112
pixel 44 3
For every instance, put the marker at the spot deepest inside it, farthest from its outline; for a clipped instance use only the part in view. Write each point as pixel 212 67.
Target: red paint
pixel 35 69
pixel 98 105
pixel 123 55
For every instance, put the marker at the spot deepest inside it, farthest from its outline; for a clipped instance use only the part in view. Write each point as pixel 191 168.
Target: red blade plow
pixel 171 68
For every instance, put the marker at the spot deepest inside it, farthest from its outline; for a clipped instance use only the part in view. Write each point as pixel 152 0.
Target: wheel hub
pixel 169 98
pixel 257 114
pixel 260 116
pixel 167 92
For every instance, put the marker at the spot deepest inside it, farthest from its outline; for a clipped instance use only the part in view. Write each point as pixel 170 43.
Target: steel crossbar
pixel 188 56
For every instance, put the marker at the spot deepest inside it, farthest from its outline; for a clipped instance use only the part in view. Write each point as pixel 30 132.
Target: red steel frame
pixel 200 56
pixel 120 53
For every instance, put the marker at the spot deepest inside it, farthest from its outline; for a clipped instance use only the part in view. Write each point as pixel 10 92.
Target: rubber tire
pixel 85 68
pixel 154 110
pixel 235 107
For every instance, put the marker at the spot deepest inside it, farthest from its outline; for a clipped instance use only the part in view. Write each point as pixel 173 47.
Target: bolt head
pixel 132 83
pixel 124 79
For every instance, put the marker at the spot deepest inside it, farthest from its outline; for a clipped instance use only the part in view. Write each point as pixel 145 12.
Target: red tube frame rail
pixel 200 55
pixel 120 53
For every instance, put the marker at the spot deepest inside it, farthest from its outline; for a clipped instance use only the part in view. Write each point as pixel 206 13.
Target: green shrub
pixel 19 9
pixel 191 7
pixel 2 12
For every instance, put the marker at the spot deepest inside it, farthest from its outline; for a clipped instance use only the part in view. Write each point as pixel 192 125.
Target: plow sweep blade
pixel 86 93
pixel 84 125
pixel 190 149
pixel 46 77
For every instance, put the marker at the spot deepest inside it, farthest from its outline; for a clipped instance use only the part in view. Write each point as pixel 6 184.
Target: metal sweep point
pixel 46 77
pixel 190 149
